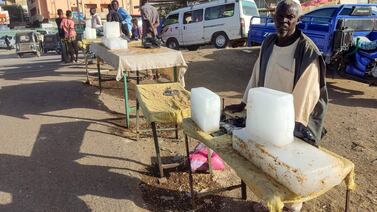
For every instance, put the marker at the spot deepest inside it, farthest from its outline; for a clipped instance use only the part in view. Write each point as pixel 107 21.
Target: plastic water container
pixel 301 167
pixel 115 43
pixel 205 109
pixel 90 33
pixel 111 29
pixel 270 116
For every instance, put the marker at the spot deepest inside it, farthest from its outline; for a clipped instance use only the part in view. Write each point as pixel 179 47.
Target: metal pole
pixel 68 5
pixel 191 180
pixel 348 193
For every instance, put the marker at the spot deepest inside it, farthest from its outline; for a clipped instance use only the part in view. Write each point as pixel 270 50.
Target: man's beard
pixel 282 34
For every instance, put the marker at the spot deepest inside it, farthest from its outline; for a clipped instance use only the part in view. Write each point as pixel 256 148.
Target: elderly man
pixel 290 62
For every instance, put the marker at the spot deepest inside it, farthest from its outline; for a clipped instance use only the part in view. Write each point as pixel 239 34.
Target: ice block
pixel 301 167
pixel 205 109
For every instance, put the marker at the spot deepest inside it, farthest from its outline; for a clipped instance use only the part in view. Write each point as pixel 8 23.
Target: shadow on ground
pixel 349 97
pixel 51 180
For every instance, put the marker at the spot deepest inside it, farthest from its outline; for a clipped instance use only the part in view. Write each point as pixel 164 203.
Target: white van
pixel 216 22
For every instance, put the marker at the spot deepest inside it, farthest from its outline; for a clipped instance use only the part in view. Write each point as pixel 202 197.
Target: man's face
pixel 286 19
pixel 115 5
pixel 92 11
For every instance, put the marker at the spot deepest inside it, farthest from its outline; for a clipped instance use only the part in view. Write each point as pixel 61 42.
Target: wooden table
pixel 136 59
pixel 262 185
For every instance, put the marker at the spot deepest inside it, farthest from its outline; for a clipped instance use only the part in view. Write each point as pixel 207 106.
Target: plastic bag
pixel 199 159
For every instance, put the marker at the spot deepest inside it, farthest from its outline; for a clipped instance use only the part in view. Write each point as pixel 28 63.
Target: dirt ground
pixel 351 123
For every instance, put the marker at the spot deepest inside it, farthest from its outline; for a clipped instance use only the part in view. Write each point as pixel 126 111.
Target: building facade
pixel 43 10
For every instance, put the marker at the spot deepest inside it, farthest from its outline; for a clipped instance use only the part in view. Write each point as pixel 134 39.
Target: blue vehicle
pixel 334 29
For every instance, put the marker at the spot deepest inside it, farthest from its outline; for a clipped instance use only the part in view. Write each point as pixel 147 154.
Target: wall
pixel 49 7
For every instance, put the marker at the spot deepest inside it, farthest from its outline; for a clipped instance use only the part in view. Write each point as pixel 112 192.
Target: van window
pixel 221 11
pixel 171 19
pixel 249 8
pixel 193 16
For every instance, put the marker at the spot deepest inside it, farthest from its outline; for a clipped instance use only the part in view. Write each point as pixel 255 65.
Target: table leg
pixel 137 109
pixel 125 92
pixel 209 159
pixel 99 74
pixel 243 190
pixel 175 74
pixel 348 193
pixel 157 147
pixel 190 174
pixel 176 131
pixel 137 77
pixel 137 120
pixel 86 66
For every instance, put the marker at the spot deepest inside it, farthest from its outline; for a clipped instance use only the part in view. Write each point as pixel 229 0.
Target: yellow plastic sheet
pixel 161 108
pixel 87 42
pixel 263 186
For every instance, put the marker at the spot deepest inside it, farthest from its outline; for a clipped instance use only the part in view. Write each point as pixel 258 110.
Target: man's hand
pixel 236 107
pixel 304 133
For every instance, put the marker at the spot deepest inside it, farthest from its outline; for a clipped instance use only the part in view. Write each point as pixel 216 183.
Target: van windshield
pixel 171 19
pixel 249 8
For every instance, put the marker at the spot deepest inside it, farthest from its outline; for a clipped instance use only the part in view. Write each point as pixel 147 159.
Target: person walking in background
pixel 125 18
pixel 68 26
pixel 58 21
pixel 7 42
pixel 136 30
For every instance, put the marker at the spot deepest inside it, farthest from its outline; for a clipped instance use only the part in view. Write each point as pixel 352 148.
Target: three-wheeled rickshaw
pixel 28 42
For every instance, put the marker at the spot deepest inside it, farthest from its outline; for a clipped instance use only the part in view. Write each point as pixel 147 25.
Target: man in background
pixel 58 21
pixel 151 21
pixel 68 26
pixel 96 20
pixel 125 18
pixel 7 42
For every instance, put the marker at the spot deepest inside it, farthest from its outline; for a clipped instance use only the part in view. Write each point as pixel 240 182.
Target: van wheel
pixel 193 48
pixel 20 55
pixel 172 43
pixel 220 40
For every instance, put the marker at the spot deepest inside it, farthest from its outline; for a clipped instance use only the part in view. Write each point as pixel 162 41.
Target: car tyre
pixel 172 43
pixel 220 40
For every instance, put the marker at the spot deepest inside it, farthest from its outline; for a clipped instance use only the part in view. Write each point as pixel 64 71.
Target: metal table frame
pixel 161 166
pixel 125 89
pixel 197 195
